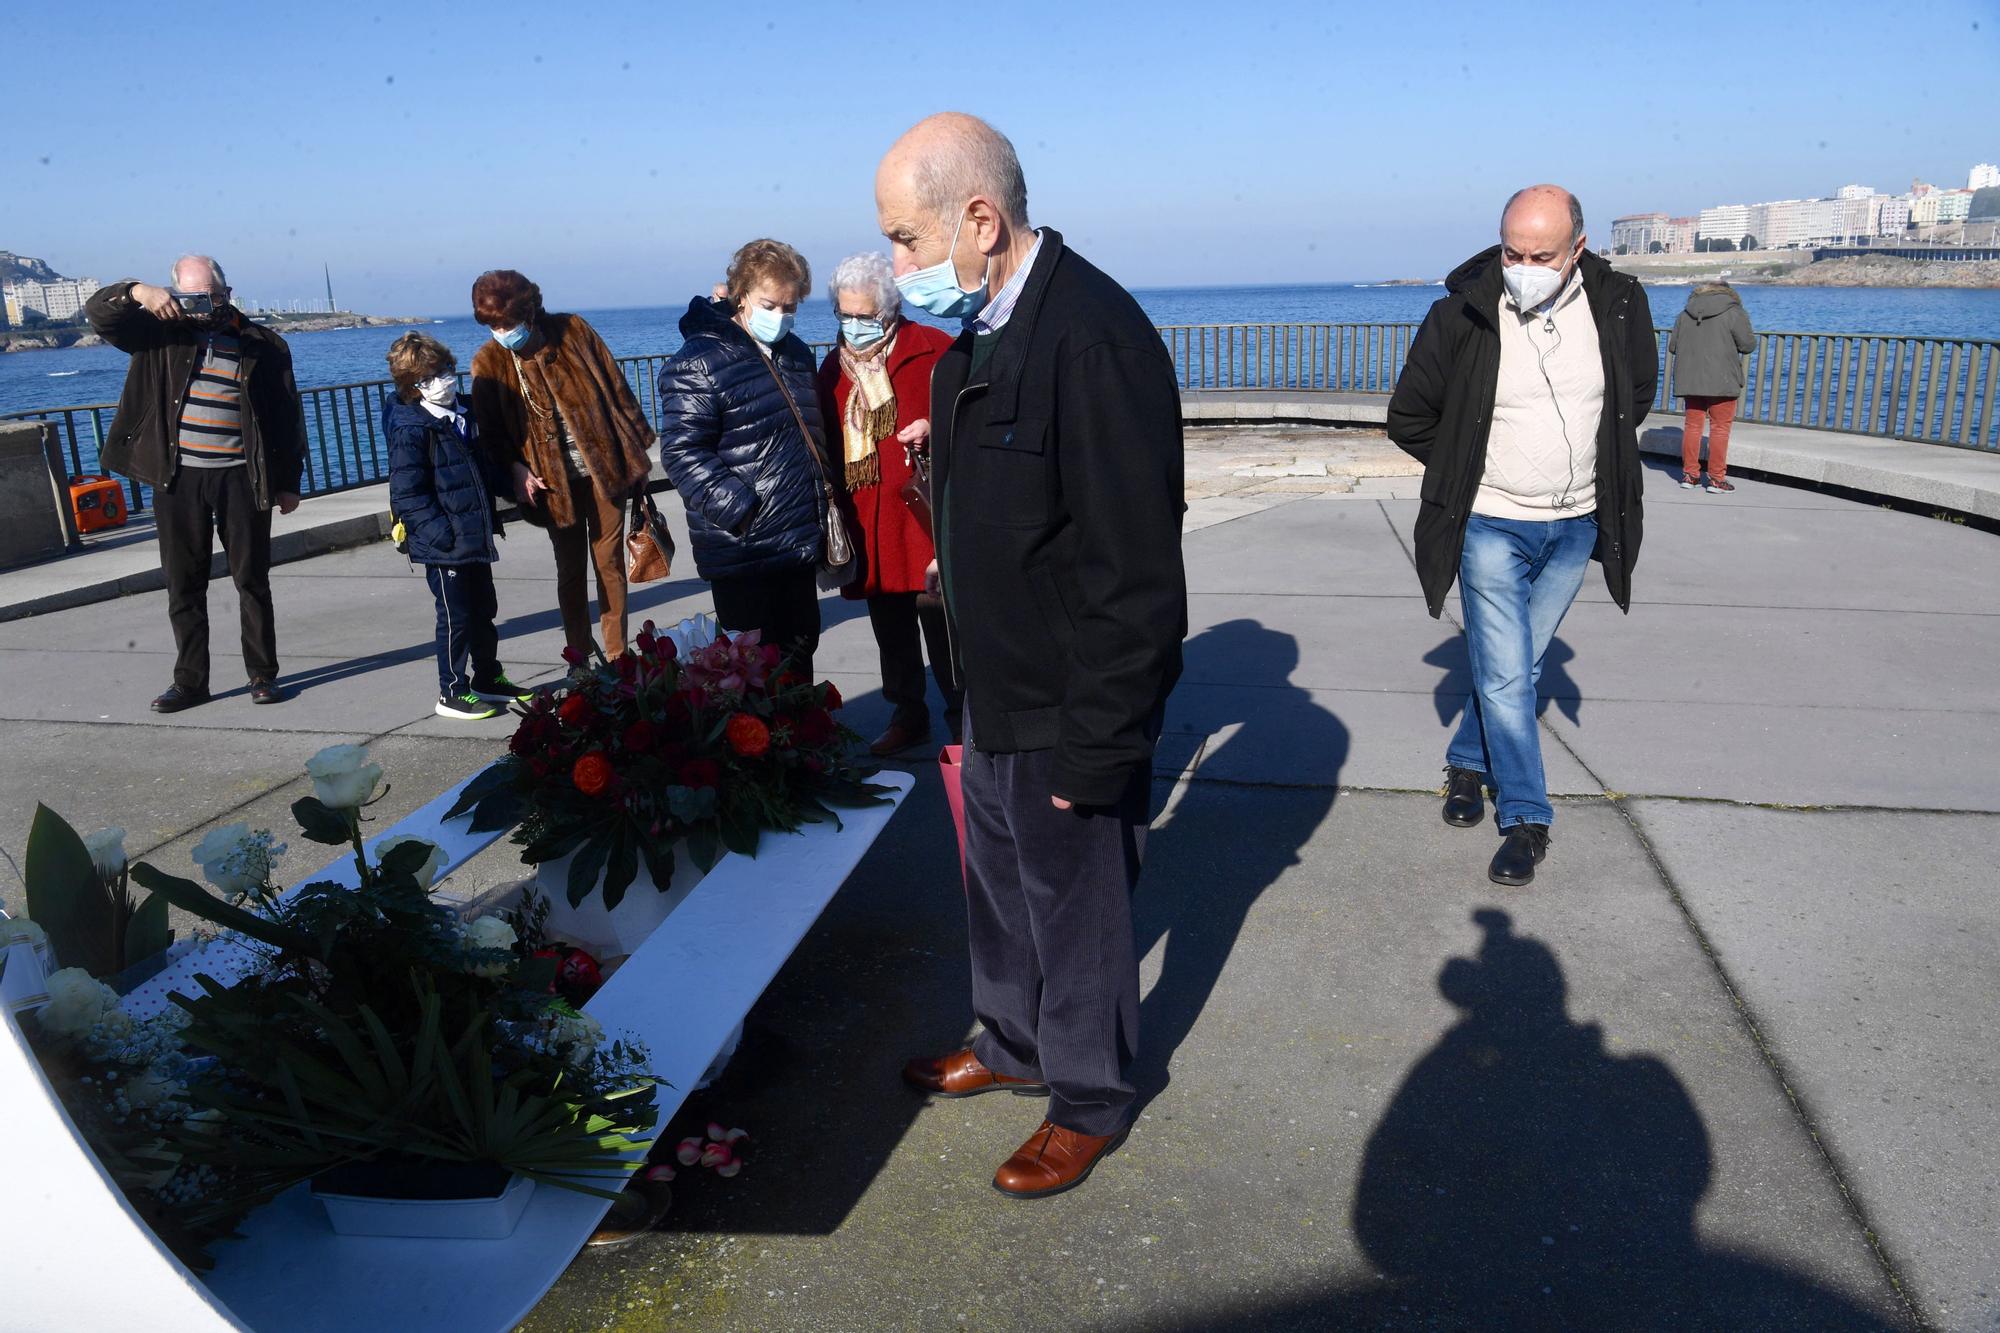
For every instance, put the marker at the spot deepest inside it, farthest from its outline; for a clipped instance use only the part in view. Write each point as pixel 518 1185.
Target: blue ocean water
pixel 33 380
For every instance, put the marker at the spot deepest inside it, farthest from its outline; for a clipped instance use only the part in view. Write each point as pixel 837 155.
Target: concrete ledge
pixel 129 562
pixel 1228 407
pixel 1965 481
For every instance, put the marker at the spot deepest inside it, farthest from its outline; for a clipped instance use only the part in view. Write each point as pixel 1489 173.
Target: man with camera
pixel 210 419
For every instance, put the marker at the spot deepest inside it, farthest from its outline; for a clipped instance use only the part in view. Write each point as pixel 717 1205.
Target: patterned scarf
pixel 871 411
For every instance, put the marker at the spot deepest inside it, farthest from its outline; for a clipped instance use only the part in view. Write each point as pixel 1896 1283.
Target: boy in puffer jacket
pixel 441 489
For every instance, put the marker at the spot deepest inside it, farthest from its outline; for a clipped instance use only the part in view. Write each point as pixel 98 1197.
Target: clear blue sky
pixel 619 152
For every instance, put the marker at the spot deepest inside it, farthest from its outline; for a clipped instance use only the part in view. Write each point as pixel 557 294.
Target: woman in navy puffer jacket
pixel 730 442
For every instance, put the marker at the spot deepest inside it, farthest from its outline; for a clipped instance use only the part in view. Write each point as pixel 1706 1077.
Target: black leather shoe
pixel 1525 846
pixel 265 692
pixel 1464 797
pixel 177 698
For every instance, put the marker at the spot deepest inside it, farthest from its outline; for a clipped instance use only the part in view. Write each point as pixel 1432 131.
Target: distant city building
pixel 1984 176
pixel 55 301
pixel 1680 236
pixel 1635 233
pixel 1891 214
pixel 1856 191
pixel 1724 222
pixel 1954 205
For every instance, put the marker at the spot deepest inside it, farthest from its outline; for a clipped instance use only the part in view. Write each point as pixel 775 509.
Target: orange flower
pixel 592 774
pixel 748 736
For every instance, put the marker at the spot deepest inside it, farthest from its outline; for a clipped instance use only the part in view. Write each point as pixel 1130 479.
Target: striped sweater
pixel 211 426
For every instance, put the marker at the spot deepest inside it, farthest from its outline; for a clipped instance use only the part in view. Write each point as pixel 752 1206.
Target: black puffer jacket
pixel 730 444
pixel 441 484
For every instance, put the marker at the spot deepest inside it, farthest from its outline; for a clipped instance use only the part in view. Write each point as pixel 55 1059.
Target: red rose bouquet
pixel 692 735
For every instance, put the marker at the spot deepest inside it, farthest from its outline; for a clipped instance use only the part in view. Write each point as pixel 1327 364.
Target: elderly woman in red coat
pixel 875 397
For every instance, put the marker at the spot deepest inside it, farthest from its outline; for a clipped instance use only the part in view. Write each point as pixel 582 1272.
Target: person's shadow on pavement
pixel 1215 854
pixel 1453 692
pixel 1524 1177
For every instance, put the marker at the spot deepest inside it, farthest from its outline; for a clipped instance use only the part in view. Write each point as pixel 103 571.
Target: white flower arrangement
pixel 238 860
pixel 342 777
pixel 427 873
pixel 78 1004
pixel 107 852
pixel 490 934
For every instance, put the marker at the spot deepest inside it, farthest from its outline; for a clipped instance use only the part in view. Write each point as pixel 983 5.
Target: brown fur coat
pixel 573 368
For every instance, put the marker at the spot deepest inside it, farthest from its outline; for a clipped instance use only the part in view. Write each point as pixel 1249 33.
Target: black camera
pixel 194 303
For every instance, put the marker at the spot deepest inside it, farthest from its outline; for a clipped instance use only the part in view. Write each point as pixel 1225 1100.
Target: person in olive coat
pixel 1708 344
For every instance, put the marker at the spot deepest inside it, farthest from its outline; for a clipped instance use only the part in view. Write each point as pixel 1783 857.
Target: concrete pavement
pixel 1725 1065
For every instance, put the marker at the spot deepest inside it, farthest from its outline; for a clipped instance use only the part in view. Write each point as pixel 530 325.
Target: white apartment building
pixel 1954 205
pixel 1890 214
pixel 1984 176
pixel 1724 222
pixel 1856 191
pixel 55 300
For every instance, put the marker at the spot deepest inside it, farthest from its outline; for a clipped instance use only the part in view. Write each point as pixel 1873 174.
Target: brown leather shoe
pixel 897 739
pixel 961 1075
pixel 1053 1159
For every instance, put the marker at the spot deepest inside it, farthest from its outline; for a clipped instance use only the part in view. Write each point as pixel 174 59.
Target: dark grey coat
pixel 1708 344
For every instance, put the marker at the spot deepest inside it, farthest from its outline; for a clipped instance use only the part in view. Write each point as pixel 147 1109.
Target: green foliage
pixel 91 923
pixel 321 823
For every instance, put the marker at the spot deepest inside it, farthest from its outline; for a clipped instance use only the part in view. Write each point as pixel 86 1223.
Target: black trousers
pixel 1055 968
pixel 468 644
pixel 201 503
pixel 783 604
pixel 904 632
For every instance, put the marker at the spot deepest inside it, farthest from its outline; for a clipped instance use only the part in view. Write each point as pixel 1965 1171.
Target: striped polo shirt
pixel 211 429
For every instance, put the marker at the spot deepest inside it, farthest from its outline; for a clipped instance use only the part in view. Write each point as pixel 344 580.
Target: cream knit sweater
pixel 1541 454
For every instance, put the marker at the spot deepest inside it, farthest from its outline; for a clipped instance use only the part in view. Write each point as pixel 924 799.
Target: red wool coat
pixel 894 548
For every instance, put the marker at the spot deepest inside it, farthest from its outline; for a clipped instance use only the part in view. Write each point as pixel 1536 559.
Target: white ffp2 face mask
pixel 439 391
pixel 1531 284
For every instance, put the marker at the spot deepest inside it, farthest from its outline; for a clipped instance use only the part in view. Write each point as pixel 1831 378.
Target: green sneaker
pixel 467 707
pixel 500 690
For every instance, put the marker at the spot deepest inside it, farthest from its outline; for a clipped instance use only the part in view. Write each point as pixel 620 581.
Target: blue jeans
pixel 1516 580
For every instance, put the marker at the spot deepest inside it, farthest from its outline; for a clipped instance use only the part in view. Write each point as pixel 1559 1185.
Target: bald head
pixel 1541 221
pixel 945 161
pixel 199 273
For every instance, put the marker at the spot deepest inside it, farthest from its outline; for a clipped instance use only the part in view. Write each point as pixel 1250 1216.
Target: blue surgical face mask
pixel 768 326
pixel 936 290
pixel 513 339
pixel 862 332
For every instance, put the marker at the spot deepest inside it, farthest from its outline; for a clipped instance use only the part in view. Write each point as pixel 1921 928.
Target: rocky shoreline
pixel 54 339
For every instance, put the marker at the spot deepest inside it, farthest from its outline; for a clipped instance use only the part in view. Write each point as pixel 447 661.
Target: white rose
pixel 233 859
pixel 77 1001
pixel 490 932
pixel 343 779
pixel 427 873
pixel 107 852
pixel 578 1034
pixel 149 1089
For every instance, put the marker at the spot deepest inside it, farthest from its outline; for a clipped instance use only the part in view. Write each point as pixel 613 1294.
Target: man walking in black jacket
pixel 1056 434
pixel 1522 397
pixel 210 420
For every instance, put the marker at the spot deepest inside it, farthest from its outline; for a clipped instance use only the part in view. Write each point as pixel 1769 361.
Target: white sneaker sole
pixel 460 715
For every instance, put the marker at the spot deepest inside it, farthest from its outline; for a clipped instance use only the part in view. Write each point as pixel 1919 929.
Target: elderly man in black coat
pixel 1056 431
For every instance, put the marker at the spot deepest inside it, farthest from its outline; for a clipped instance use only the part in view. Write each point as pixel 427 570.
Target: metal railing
pixel 1932 390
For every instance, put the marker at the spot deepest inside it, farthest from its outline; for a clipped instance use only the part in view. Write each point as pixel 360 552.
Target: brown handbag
pixel 649 547
pixel 840 560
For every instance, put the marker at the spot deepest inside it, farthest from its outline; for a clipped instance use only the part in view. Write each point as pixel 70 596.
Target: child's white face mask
pixel 441 391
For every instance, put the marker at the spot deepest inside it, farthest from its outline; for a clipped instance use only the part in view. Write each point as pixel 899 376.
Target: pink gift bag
pixel 950 761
